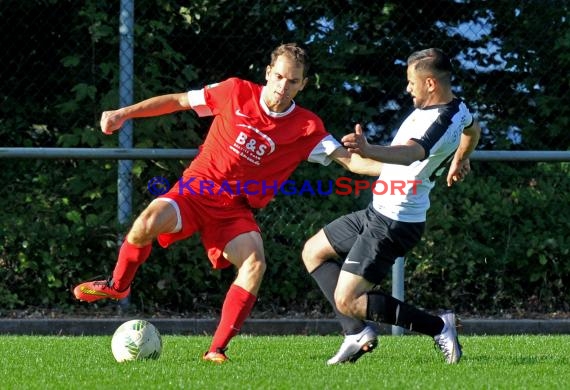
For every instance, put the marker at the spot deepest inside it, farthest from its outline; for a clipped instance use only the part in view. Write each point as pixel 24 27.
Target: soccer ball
pixel 136 340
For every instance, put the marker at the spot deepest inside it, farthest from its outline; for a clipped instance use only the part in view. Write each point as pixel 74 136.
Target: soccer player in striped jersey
pixel 440 130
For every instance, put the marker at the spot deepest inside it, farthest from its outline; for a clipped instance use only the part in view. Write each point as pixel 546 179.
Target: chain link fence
pixel 62 47
pixel 64 62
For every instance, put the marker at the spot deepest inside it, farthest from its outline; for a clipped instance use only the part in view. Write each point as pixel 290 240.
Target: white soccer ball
pixel 136 340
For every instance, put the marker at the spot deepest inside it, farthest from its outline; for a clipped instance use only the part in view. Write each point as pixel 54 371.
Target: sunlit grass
pixel 287 362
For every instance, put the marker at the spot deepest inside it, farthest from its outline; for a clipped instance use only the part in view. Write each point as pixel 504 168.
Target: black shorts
pixel 370 242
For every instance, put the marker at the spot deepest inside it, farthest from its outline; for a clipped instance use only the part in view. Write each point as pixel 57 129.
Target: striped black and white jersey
pixel 402 192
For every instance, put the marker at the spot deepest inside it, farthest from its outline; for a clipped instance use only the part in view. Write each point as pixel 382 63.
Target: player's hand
pixel 111 121
pixel 457 171
pixel 356 142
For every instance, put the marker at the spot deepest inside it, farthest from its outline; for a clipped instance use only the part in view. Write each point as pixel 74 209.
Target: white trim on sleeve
pixel 321 152
pixel 197 101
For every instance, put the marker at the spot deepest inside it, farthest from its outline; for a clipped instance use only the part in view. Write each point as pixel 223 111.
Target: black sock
pixel 387 309
pixel 326 276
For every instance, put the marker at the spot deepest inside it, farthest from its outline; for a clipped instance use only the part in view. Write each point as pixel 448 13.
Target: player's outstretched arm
pixel 394 154
pixel 460 166
pixel 355 163
pixel 159 105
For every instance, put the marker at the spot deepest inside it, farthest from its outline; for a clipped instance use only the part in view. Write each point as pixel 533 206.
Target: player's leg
pixel 384 308
pixel 374 253
pixel 322 263
pixel 349 294
pixel 368 261
pixel 246 253
pixel 159 217
pixel 321 258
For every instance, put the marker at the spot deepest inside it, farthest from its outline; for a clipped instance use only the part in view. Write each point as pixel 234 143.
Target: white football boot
pixel 447 340
pixel 354 346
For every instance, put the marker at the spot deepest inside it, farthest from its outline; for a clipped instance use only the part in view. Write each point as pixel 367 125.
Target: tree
pixel 60 71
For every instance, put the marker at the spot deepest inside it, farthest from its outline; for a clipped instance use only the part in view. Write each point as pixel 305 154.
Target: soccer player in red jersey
pixel 258 136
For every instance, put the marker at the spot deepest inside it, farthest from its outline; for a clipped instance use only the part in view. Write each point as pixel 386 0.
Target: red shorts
pixel 218 219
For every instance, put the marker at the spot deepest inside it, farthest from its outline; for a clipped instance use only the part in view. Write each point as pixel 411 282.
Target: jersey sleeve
pixel 453 116
pixel 208 100
pixel 321 152
pixel 197 101
pixel 470 119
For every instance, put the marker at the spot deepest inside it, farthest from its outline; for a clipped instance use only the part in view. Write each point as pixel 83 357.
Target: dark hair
pixel 294 52
pixel 433 61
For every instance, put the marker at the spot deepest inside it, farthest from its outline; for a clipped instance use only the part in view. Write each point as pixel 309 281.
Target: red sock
pixel 129 260
pixel 236 309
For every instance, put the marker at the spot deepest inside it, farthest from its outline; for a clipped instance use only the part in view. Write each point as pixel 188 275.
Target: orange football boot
pixel 218 356
pixel 98 289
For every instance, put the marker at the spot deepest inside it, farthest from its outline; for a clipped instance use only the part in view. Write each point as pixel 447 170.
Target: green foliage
pixel 495 242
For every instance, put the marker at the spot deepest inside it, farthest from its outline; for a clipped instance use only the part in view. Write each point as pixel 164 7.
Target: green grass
pixel 292 362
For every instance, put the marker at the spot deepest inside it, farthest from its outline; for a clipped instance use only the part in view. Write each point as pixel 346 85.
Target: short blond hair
pixel 294 52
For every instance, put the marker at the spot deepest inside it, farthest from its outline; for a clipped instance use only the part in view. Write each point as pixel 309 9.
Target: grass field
pixel 287 362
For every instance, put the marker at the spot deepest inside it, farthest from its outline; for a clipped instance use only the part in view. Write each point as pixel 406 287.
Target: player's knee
pixel 310 255
pixel 307 253
pixel 142 230
pixel 345 305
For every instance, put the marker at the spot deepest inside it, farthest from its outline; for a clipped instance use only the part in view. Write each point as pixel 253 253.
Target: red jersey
pixel 249 151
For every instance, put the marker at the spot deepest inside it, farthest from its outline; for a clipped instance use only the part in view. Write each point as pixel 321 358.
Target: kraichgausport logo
pixel 342 186
pixel 158 185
